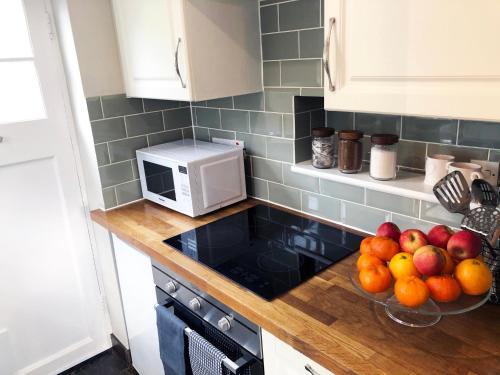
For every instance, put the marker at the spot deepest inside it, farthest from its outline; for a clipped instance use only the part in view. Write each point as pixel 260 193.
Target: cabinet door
pixel 138 295
pixel 150 36
pixel 426 57
pixel 282 359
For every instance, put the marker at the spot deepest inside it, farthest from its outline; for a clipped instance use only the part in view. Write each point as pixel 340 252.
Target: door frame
pixel 83 141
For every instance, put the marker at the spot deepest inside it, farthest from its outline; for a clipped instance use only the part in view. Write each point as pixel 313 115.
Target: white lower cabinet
pixel 138 297
pixel 282 359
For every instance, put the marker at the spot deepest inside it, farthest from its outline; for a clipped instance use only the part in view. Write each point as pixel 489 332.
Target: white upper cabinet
pixel 189 49
pixel 426 58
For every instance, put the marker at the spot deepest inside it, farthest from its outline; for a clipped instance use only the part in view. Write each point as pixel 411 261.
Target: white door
pixel 152 48
pixel 426 57
pixel 51 314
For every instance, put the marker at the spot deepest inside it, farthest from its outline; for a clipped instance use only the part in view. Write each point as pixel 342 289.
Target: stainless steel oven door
pixel 239 361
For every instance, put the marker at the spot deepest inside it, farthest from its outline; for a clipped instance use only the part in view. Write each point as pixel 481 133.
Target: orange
pixel 384 248
pixel 375 279
pixel 411 291
pixel 367 260
pixel 443 288
pixel 364 248
pixel 474 276
pixel 449 264
pixel 401 265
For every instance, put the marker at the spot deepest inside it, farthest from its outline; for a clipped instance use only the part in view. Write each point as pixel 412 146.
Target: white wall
pixel 87 38
pixel 96 47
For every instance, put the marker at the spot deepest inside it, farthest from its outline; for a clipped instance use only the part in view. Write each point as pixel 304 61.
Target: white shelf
pixel 407 184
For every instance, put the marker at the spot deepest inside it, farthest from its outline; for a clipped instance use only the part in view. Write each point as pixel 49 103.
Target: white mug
pixel 436 167
pixel 470 171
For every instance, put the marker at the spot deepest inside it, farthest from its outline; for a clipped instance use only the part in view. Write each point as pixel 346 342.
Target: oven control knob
pixel 195 304
pixel 171 287
pixel 225 323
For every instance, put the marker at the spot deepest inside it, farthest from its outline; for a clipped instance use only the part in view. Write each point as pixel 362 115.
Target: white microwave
pixel 192 177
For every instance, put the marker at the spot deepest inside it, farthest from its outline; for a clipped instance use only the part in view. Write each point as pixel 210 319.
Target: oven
pixel 231 333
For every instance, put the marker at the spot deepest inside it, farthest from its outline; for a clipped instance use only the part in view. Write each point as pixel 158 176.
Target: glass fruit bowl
pixel 425 315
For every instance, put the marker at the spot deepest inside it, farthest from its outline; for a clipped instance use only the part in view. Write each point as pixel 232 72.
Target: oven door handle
pixel 235 367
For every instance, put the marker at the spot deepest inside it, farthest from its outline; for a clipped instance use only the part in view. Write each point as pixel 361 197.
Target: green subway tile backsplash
pixel 284 195
pixel 342 191
pixel 320 205
pixel 235 120
pixel 177 118
pixel 280 149
pixel 300 14
pixel 311 43
pixel 298 180
pixel 391 202
pixel 94 108
pixel 266 123
pixel 301 73
pixel 280 100
pixel 151 105
pixel 280 46
pixel 267 169
pixel 269 19
pixel 108 129
pixel 125 148
pixel 144 123
pixel 370 123
pixel 253 102
pixel 120 105
pixel 271 73
pixel 128 192
pixel 207 117
pixel 479 134
pixel 430 130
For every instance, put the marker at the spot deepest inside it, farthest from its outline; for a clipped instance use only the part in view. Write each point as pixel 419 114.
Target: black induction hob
pixel 266 250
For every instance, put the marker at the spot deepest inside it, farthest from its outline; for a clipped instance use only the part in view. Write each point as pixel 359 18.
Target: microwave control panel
pixel 184 181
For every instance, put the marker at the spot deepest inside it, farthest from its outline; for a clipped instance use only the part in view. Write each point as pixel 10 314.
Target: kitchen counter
pixel 324 318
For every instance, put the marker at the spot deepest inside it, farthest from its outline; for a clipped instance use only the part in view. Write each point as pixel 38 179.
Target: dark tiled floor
pixel 106 363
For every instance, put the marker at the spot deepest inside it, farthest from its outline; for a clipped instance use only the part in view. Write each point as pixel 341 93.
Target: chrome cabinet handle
pixel 177 64
pixel 326 55
pixel 310 370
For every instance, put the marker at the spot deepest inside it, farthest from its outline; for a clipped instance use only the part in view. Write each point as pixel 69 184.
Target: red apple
pixel 464 245
pixel 390 230
pixel 439 236
pixel 411 240
pixel 429 260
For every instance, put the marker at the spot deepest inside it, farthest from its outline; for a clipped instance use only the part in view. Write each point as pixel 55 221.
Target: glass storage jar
pixel 350 151
pixel 322 147
pixel 383 156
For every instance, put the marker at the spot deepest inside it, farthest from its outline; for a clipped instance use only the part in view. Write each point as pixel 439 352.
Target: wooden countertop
pixel 323 318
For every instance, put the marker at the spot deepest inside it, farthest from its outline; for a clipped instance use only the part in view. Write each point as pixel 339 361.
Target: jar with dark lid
pixel 350 152
pixel 322 147
pixel 383 156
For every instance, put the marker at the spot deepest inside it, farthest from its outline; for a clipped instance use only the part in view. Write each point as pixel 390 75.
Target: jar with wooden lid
pixel 350 152
pixel 383 156
pixel 322 147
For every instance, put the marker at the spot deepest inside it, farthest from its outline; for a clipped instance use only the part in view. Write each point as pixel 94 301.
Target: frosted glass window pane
pixel 14 34
pixel 20 95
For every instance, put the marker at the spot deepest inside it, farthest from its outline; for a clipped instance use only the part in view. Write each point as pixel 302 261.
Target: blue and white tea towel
pixel 205 359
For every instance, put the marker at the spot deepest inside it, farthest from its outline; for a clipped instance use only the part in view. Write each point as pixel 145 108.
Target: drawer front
pixel 282 359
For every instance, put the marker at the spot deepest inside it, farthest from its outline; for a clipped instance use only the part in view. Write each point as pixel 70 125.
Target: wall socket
pixel 232 142
pixel 489 169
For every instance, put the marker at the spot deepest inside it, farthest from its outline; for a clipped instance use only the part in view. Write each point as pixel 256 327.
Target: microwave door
pixel 160 180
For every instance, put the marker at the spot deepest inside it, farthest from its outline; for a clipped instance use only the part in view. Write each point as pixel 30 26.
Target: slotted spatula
pixel 453 192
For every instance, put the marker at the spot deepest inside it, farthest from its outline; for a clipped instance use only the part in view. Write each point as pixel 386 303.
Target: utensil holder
pixel 491 256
